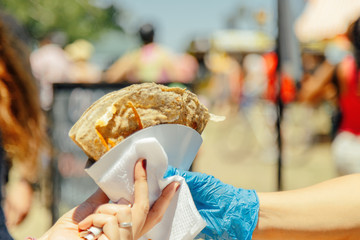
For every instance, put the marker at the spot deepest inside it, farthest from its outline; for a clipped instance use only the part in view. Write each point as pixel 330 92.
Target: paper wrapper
pixel 180 143
pixel 176 144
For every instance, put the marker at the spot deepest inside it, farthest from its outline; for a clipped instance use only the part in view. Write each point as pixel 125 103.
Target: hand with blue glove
pixel 310 213
pixel 230 213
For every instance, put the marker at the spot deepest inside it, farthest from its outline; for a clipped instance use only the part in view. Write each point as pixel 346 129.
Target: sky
pixel 177 22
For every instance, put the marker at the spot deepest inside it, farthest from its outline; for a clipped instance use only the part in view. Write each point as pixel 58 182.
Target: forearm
pixel 312 90
pixel 329 210
pixel 117 72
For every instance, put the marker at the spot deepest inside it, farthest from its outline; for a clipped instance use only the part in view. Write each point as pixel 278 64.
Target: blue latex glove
pixel 230 213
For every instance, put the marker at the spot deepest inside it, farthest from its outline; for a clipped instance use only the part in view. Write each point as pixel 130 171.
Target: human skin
pixel 328 210
pixel 143 217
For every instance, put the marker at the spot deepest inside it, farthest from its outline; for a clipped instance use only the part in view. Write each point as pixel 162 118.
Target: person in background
pixel 225 85
pixel 50 64
pixel 337 80
pixel 152 63
pixel 22 128
pixel 81 70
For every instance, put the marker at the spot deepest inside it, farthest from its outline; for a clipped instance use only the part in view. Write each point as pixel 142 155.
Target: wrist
pixel 269 224
pixel 264 218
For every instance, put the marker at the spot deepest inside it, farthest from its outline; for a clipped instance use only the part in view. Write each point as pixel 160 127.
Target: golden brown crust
pixel 119 114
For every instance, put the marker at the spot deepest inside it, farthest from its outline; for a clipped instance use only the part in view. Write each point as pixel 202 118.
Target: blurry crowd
pixel 221 78
pixel 227 82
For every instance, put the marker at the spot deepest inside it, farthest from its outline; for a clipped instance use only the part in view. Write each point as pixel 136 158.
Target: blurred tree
pixel 78 19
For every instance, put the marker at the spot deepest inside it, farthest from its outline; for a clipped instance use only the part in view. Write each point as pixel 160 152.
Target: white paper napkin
pixel 115 176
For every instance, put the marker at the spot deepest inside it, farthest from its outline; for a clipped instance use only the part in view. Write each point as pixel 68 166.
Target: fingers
pixel 124 219
pixel 103 237
pixel 107 222
pixel 114 219
pixel 159 208
pixel 141 186
pixel 141 202
pixel 133 221
pixel 111 208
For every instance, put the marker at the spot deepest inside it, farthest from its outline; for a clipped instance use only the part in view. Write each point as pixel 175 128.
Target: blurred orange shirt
pixel 287 90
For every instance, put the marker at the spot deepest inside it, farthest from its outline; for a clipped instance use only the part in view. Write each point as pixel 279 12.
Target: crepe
pixel 118 114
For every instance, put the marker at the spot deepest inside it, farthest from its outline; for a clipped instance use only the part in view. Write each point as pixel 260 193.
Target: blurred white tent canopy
pixel 243 41
pixel 324 19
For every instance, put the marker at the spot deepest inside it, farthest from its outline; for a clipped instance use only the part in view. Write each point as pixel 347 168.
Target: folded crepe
pixel 118 114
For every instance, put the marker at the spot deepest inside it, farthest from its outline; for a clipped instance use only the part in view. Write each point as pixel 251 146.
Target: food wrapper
pixel 161 145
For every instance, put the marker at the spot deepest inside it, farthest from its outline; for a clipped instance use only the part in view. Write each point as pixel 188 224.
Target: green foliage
pixel 76 18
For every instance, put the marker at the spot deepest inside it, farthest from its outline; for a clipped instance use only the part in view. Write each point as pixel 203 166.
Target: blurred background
pixel 255 62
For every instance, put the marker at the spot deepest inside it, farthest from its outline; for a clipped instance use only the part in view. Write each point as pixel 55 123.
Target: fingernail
pixel 177 186
pixel 144 164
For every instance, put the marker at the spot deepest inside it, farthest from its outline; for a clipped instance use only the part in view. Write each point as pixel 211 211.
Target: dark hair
pixel 354 36
pixel 147 33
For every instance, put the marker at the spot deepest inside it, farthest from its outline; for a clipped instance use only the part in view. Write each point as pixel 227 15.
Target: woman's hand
pixel 111 217
pixel 115 221
pixel 122 221
pixel 67 226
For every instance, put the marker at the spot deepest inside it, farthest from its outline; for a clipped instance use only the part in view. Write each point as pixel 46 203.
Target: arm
pixel 329 210
pixel 312 89
pixel 118 71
